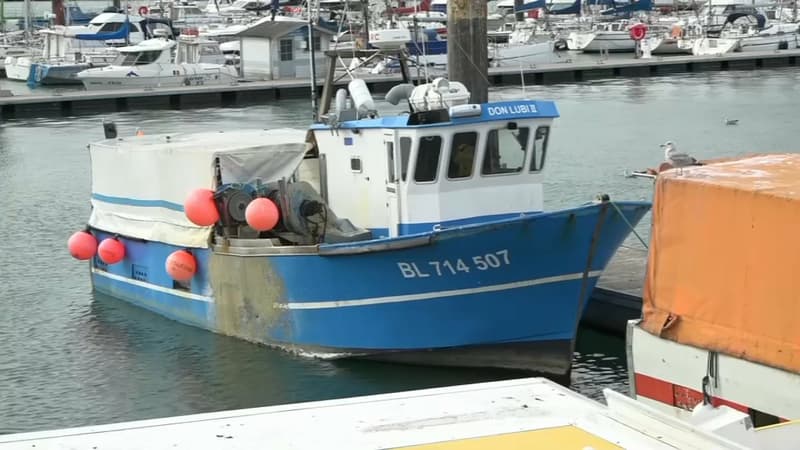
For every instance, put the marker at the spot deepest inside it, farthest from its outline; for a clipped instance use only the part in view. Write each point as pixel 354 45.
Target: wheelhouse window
pixel 539 148
pixel 286 49
pixel 428 159
pixel 137 58
pixel 462 155
pixel 505 150
pixel 405 153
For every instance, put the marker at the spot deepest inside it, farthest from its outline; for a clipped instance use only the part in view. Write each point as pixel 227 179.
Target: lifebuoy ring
pixel 638 31
pixel 143 10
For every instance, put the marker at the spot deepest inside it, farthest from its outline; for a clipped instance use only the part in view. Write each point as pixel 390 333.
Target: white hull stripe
pixel 436 294
pixel 366 301
pixel 153 287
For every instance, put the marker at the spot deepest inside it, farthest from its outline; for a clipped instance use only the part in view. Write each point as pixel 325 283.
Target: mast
pixel 313 61
pixel 127 23
pixel 27 20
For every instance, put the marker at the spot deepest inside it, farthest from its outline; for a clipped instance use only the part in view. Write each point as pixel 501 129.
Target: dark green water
pixel 69 357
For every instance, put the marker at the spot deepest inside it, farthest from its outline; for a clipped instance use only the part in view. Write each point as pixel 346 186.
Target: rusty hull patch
pixel 246 291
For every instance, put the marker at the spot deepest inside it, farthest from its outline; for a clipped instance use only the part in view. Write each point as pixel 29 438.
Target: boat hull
pixel 517 55
pixel 601 41
pixel 505 294
pixel 784 41
pixel 112 77
pixel 17 68
pixel 56 74
pixel 669 376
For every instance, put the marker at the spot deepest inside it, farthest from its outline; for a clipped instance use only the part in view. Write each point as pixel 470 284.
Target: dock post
pixel 58 11
pixel 467 46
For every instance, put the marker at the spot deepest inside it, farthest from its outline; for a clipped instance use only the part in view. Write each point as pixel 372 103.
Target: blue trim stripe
pixel 138 202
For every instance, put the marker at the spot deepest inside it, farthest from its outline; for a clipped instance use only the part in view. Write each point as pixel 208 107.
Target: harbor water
pixel 70 357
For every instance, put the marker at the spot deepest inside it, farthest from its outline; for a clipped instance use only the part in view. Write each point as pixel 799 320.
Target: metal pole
pixel 313 63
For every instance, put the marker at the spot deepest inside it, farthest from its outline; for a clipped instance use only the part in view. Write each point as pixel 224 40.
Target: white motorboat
pixel 527 46
pixel 150 64
pixel 62 56
pixel 609 37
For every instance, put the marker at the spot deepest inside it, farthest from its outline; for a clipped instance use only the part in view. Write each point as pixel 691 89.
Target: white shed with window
pixel 279 49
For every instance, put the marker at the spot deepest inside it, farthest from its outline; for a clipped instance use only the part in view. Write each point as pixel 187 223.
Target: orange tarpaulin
pixel 724 266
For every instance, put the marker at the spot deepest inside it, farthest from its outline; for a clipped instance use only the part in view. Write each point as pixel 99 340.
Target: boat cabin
pixel 444 163
pixel 111 28
pixel 194 50
pixel 147 52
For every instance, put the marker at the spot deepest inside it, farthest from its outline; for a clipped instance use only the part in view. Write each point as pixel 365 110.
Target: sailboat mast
pixel 313 60
pixel 27 19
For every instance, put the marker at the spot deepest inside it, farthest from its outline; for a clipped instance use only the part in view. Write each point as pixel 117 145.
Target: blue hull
pixel 471 293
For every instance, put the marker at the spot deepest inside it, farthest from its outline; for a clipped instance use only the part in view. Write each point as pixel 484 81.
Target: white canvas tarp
pixel 139 183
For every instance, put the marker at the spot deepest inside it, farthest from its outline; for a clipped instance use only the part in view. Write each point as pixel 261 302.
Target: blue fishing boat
pixel 418 237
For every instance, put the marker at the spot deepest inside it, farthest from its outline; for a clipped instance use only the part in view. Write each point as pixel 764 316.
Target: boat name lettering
pixel 522 108
pixel 446 267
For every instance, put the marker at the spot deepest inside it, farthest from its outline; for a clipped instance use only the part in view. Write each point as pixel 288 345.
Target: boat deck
pixel 522 413
pixel 618 295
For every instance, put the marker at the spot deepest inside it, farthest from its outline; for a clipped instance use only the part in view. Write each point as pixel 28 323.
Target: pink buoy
pixel 181 265
pixel 82 245
pixel 200 208
pixel 262 214
pixel 111 251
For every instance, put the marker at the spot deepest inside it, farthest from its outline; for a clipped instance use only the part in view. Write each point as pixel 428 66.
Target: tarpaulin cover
pixel 724 256
pixel 139 183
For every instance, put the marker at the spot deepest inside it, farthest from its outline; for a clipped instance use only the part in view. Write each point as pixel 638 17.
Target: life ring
pixel 143 10
pixel 676 32
pixel 638 31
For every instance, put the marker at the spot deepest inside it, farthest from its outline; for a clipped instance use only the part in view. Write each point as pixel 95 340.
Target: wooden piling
pixel 467 52
pixel 58 10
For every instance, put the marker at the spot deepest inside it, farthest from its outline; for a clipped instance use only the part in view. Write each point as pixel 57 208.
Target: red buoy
pixel 262 214
pixel 111 251
pixel 200 207
pixel 82 245
pixel 181 265
pixel 638 31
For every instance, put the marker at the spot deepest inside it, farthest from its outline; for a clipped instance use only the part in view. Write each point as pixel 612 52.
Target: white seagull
pixel 676 158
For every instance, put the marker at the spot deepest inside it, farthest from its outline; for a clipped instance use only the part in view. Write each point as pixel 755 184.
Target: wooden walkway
pixel 618 295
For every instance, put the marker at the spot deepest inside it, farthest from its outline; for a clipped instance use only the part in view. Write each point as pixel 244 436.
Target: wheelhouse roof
pixel 493 111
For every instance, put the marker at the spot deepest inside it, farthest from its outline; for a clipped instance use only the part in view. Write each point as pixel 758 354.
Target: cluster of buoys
pixel 261 214
pixel 83 245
